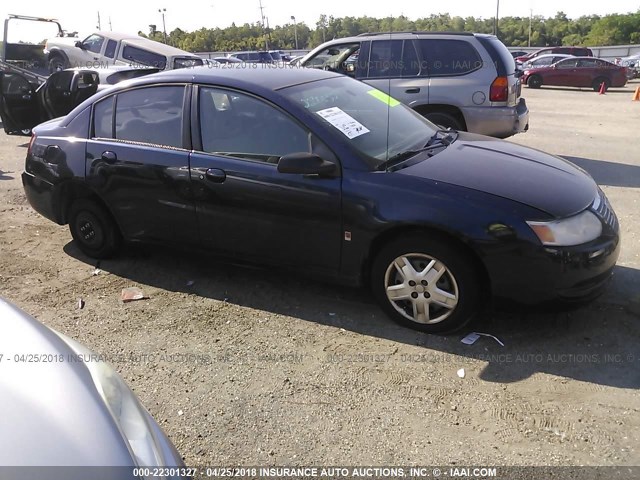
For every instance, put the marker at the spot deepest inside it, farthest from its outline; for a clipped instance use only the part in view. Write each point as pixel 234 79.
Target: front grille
pixel 603 209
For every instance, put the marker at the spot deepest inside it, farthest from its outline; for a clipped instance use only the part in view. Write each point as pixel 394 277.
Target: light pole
pixel 530 18
pixel 295 30
pixel 164 27
pixel 495 23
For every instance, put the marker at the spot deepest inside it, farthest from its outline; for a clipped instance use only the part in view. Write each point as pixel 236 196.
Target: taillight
pixel 499 91
pixel 33 139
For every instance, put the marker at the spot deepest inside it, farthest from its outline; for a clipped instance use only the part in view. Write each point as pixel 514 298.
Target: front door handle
pixel 109 157
pixel 215 175
pixel 412 90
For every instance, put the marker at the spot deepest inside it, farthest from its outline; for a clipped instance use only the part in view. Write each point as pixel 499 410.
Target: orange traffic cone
pixel 636 96
pixel 603 88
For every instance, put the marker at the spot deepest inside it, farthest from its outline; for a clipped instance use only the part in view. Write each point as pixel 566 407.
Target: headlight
pixel 125 409
pixel 581 228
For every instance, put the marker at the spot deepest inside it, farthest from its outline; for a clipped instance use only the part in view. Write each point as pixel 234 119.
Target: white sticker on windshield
pixel 343 122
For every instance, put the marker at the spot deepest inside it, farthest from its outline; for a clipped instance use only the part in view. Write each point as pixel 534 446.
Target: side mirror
pixel 79 45
pixel 306 164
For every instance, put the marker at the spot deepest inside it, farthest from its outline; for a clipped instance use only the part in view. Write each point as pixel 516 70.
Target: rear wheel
pixel 445 120
pixel 93 229
pixel 534 81
pixel 427 284
pixel 597 84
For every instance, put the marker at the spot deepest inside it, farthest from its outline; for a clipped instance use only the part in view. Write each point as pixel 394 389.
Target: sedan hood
pixel 51 412
pixel 525 175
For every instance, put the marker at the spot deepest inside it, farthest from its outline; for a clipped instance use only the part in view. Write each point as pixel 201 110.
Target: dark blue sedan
pixel 313 171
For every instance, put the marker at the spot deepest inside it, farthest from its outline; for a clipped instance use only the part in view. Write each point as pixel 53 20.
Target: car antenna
pixel 388 98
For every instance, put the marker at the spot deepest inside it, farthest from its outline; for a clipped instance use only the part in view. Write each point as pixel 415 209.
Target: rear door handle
pixel 109 157
pixel 412 90
pixel 215 175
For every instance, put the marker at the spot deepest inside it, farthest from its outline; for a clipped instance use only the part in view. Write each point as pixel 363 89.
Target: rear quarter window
pixel 449 57
pixel 500 56
pixel 144 57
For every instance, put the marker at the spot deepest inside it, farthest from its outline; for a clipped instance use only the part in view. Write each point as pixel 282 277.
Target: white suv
pixel 104 49
pixel 464 81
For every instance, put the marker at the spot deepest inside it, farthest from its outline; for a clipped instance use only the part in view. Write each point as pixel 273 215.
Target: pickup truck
pixel 104 49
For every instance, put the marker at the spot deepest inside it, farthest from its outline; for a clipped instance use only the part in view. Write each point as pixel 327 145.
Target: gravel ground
pixel 254 367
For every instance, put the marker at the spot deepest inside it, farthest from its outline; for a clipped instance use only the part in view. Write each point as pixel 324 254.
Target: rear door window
pixel 588 63
pixel 448 57
pixel 150 115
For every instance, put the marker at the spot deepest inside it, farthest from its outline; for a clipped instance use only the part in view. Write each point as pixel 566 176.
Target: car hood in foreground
pixel 52 413
pixel 525 175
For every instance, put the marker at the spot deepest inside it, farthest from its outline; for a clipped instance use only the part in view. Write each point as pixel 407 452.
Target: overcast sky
pixel 132 16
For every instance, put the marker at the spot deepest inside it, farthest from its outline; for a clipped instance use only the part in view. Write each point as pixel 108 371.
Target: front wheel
pixel 426 284
pixel 57 63
pixel 93 229
pixel 534 81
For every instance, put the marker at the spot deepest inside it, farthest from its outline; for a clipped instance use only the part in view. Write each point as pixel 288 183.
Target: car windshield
pixel 375 124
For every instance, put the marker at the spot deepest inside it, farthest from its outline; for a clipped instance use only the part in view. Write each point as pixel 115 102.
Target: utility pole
pixel 164 27
pixel 530 18
pixel 266 42
pixel 495 23
pixel 295 30
pixel 99 24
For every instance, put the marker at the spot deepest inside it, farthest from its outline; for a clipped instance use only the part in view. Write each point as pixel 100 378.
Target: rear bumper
pixel 41 196
pixel 498 122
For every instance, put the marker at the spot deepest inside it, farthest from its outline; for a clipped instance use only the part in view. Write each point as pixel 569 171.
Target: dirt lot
pixel 253 367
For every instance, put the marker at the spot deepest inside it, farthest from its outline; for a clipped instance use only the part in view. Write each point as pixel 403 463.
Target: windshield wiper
pixel 434 142
pixel 450 137
pixel 399 158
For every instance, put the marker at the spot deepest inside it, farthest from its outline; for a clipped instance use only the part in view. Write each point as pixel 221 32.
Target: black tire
pixel 459 278
pixel 57 63
pixel 93 229
pixel 534 81
pixel 598 82
pixel 445 120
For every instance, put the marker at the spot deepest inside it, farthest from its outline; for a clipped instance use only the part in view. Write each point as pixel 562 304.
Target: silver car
pixel 64 408
pixel 463 81
pixel 544 60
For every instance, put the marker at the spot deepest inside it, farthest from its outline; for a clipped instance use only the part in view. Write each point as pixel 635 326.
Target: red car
pixel 575 51
pixel 577 72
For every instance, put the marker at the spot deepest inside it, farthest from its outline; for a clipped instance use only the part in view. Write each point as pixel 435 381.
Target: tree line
pixel 537 31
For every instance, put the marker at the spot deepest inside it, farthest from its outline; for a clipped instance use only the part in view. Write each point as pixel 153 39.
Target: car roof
pixel 408 34
pixel 267 76
pixel 563 55
pixel 143 42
